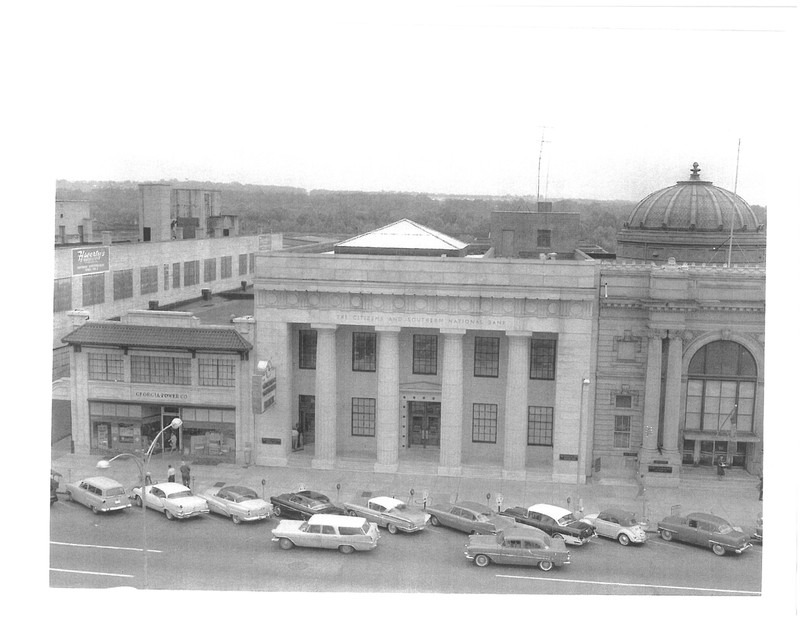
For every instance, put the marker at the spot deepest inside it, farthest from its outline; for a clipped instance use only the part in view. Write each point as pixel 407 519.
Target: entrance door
pixel 425 423
pixel 307 406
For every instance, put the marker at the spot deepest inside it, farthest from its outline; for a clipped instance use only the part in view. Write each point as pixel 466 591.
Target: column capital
pixel 519 333
pixel 324 326
pixel 387 329
pixel 453 332
pixel 677 335
pixel 655 333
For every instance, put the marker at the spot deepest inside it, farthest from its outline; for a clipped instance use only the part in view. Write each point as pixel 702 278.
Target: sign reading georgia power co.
pixel 88 260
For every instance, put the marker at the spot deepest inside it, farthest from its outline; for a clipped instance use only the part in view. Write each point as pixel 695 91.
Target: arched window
pixel 721 390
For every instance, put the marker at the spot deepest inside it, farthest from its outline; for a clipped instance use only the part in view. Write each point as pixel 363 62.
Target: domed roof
pixel 692 204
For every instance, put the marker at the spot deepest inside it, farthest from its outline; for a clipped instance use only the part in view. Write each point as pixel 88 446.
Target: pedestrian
pixel 295 436
pixel 299 436
pixel 173 442
pixel 761 488
pixel 148 480
pixel 170 474
pixel 185 472
pixel 720 467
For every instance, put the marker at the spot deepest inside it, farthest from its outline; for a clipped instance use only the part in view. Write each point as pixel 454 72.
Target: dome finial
pixel 695 171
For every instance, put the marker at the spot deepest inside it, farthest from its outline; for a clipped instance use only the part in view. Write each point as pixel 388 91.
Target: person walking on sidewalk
pixel 170 474
pixel 173 442
pixel 185 472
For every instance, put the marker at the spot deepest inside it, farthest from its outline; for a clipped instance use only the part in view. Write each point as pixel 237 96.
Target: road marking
pixel 152 551
pixel 583 581
pixel 91 573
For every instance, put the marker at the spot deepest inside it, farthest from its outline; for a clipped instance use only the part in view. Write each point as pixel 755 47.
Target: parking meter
pixel 499 502
pixel 264 488
pixel 424 499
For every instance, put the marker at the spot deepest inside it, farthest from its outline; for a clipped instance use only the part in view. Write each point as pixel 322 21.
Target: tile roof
pixel 163 337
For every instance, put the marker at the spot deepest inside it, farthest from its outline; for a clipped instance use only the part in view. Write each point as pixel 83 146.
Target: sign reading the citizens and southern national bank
pixel 88 260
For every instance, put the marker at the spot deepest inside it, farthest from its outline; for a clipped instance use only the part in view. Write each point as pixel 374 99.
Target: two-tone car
pixel 556 521
pixel 303 504
pixel 617 524
pixel 518 546
pixel 99 493
pixel 237 502
pixel 176 501
pixel 705 530
pixel 469 517
pixel 390 513
pixel 342 532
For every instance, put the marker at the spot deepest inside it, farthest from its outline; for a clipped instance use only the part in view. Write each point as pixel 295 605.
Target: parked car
pixel 391 513
pixel 518 545
pixel 470 517
pixel 758 533
pixel 55 479
pixel 556 521
pixel 617 524
pixel 705 530
pixel 237 502
pixel 303 504
pixel 99 493
pixel 347 534
pixel 172 499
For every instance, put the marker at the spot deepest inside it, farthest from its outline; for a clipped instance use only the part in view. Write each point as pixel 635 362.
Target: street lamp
pixel 143 463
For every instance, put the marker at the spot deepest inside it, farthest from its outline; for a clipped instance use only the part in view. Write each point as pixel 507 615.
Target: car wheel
pixel 666 535
pixel 481 560
pixel 471 532
pixel 168 514
pixel 69 497
pixel 236 519
pixel 434 520
pixel 623 539
pixel 138 501
pixel 277 511
pixel 346 549
pixel 351 513
pixel 558 536
pixel 94 509
pixel 285 544
pixel 718 549
pixel 391 528
pixel 545 565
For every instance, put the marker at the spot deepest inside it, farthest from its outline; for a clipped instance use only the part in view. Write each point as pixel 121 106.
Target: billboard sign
pixel 88 260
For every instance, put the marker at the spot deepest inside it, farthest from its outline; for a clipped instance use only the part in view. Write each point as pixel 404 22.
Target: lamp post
pixel 142 463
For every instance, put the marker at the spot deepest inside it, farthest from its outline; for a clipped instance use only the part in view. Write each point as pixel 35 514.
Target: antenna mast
pixel 733 207
pixel 539 170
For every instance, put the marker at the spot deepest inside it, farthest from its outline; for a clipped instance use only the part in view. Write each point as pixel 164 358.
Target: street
pixel 211 553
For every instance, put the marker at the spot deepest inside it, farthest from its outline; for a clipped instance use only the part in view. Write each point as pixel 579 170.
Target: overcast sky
pixel 433 97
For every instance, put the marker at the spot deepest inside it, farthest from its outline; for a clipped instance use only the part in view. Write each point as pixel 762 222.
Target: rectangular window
pixel 243 264
pixel 161 370
pixel 363 416
pixel 540 426
pixel 62 294
pixel 425 354
pixel 209 269
pixel 308 349
pixel 149 277
pixel 123 284
pixel 191 273
pixel 226 267
pixel 94 289
pixel 543 359
pixel 543 238
pixel 217 372
pixel 176 275
pixel 623 401
pixel 487 357
pixel 364 345
pixel 166 277
pixel 484 422
pixel 622 432
pixel 106 367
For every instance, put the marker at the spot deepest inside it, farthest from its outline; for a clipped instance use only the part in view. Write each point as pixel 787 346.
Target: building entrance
pixel 425 423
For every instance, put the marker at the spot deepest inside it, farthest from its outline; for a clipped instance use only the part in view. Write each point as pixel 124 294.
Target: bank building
pixel 528 357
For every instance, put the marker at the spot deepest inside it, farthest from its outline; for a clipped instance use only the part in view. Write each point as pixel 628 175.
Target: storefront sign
pixel 567 457
pixel 90 260
pixel 268 385
pixel 660 469
pixel 157 395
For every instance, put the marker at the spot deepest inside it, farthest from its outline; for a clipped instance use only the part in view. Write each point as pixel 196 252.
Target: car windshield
pixel 567 520
pixel 115 491
pixel 316 506
pixel 180 494
pixel 247 496
pixel 399 507
pixel 724 529
pixel 628 520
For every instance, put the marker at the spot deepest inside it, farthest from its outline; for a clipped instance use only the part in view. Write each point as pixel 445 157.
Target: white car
pixel 172 499
pixel 617 524
pixel 99 493
pixel 237 502
pixel 347 534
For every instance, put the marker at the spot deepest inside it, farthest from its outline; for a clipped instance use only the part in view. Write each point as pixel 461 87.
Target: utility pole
pixel 733 207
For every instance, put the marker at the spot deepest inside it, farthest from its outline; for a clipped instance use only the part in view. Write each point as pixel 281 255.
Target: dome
pixel 692 204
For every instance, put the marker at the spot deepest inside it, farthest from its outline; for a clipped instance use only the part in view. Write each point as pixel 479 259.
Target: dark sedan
pixel 303 504
pixel 469 517
pixel 555 521
pixel 705 530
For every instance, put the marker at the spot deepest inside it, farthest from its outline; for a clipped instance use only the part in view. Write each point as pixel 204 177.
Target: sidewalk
pixel 733 497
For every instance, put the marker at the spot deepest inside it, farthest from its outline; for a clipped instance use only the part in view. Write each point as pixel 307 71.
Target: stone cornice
pixel 679 306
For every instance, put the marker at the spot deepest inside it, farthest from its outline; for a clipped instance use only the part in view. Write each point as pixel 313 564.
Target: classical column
pixel 325 398
pixel 652 396
pixel 387 422
pixel 672 394
pixel 516 412
pixel 452 402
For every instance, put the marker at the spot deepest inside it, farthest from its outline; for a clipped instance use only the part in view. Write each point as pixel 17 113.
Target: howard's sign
pixel 90 260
